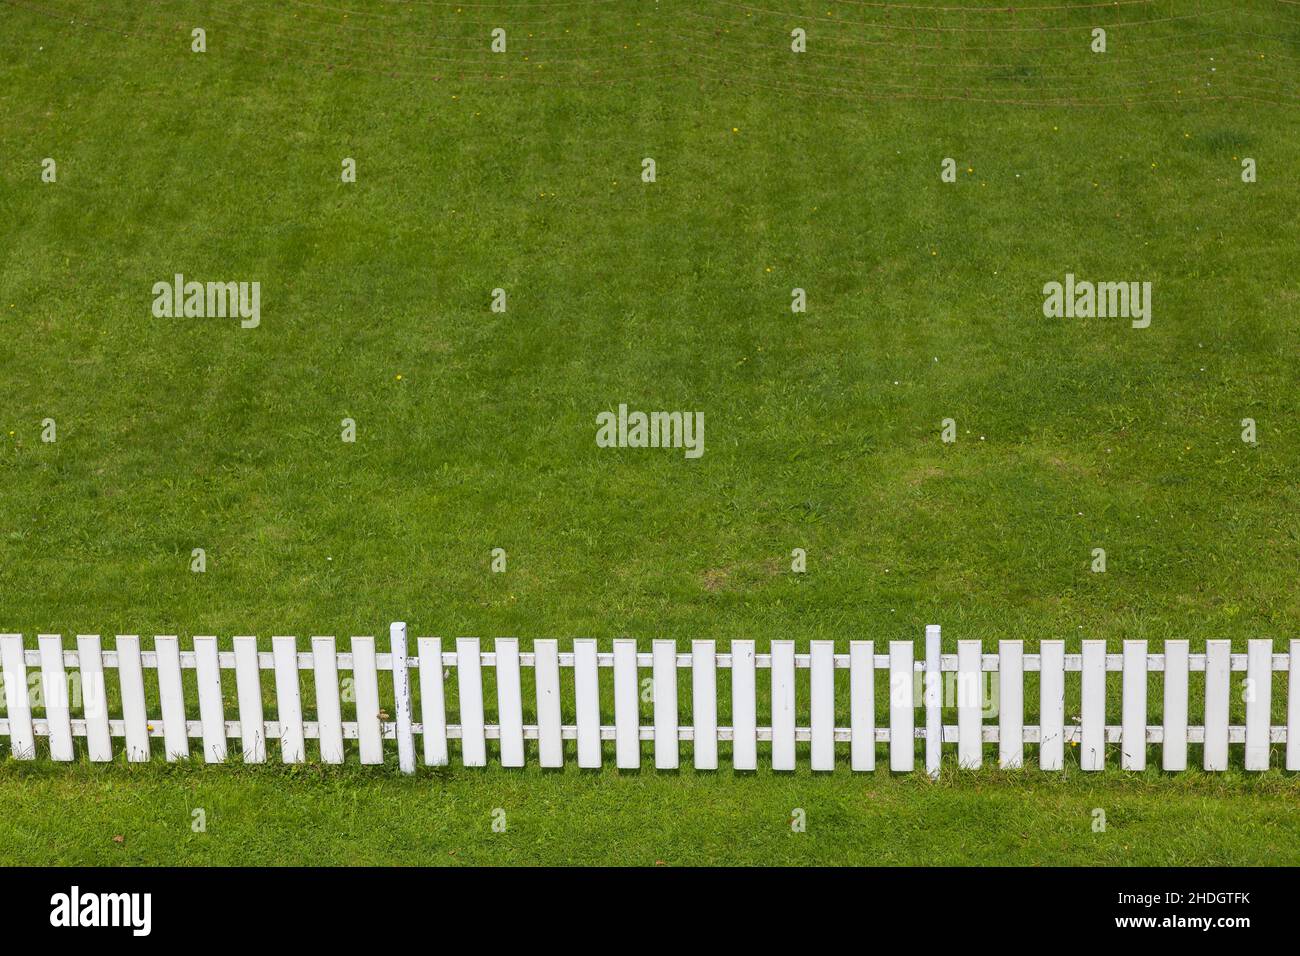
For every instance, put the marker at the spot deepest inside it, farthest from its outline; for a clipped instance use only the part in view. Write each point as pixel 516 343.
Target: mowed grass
pixel 476 430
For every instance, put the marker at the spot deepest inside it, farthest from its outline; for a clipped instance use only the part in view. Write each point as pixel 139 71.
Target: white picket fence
pixel 372 727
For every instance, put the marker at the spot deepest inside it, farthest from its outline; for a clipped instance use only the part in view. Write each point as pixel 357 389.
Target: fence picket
pixel 821 704
pixel 970 721
pixel 288 700
pixel 212 710
pixel 704 704
pixel 171 698
pixel 667 755
pixel 130 676
pixel 627 709
pixel 365 694
pixel 1218 663
pixel 902 721
pixel 1092 707
pixel 248 684
pixel 586 696
pixel 469 684
pixel 433 705
pixel 1051 705
pixel 54 688
pixel 94 698
pixel 402 700
pixel 1293 709
pixel 329 708
pixel 510 702
pixel 1133 710
pixel 862 705
pixel 18 704
pixel 1174 746
pixel 783 704
pixel 932 698
pixel 1011 704
pixel 744 706
pixel 1259 702
pixel 546 677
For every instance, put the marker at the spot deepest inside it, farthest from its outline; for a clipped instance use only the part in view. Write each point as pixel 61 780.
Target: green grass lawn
pixel 476 429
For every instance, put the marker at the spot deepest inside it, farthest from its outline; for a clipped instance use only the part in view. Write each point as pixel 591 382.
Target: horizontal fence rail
pixel 911 685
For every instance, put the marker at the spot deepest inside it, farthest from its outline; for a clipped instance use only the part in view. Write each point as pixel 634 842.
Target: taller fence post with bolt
pixel 402 699
pixel 933 702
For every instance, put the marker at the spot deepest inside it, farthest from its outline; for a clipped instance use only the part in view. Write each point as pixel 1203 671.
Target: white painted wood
pixel 902 717
pixel 18 702
pixel 1293 708
pixel 248 685
pixel 433 702
pixel 783 704
pixel 130 676
pixel 329 706
pixel 1051 705
pixel 212 710
pixel 627 719
pixel 586 696
pixel 94 698
pixel 667 754
pixel 403 722
pixel 1092 707
pixel 546 676
pixel 365 694
pixel 469 682
pixel 932 697
pixel 821 704
pixel 54 688
pixel 1133 711
pixel 510 702
pixel 970 717
pixel 1011 704
pixel 1174 746
pixel 704 704
pixel 1218 661
pixel 288 700
pixel 171 698
pixel 1259 702
pixel 744 706
pixel 862 705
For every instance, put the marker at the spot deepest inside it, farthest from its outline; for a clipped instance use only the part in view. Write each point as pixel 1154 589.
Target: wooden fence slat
pixel 821 704
pixel 1011 704
pixel 667 753
pixel 744 706
pixel 469 683
pixel 862 705
pixel 130 676
pixel 1218 663
pixel 1133 710
pixel 212 709
pixel 54 688
pixel 586 697
pixel 433 702
pixel 94 698
pixel 783 704
pixel 288 700
pixel 1259 702
pixel 970 718
pixel 329 706
pixel 402 722
pixel 627 708
pixel 932 699
pixel 1092 707
pixel 902 719
pixel 546 675
pixel 1051 705
pixel 248 684
pixel 510 702
pixel 1293 708
pixel 704 704
pixel 1174 746
pixel 365 694
pixel 171 698
pixel 18 703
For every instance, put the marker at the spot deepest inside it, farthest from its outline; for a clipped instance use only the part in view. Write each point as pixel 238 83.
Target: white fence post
pixel 1174 748
pixel 1293 709
pixel 704 704
pixel 970 723
pixel 130 675
pixel 783 703
pixel 1011 704
pixel 433 705
pixel 1218 678
pixel 1092 707
pixel 1051 705
pixel 1133 711
pixel 54 687
pixel 402 698
pixel 744 707
pixel 94 698
pixel 862 704
pixel 248 683
pixel 932 694
pixel 1259 702
pixel 546 679
pixel 902 720
pixel 329 708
